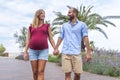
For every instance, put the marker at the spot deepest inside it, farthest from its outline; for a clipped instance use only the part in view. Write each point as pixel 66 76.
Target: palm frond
pixel 106 21
pixel 102 23
pixel 100 30
pixel 53 28
pixel 87 11
pixel 69 6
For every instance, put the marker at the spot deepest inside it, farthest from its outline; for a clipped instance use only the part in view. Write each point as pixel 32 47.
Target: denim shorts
pixel 38 54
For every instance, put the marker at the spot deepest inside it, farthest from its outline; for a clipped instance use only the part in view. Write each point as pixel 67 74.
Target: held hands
pixel 56 52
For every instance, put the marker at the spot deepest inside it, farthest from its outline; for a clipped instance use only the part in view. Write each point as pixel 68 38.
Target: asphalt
pixel 12 69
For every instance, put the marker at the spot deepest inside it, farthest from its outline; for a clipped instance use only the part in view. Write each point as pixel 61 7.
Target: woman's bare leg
pixel 34 65
pixel 41 68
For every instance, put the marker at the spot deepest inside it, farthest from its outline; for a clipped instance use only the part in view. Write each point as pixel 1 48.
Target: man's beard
pixel 71 18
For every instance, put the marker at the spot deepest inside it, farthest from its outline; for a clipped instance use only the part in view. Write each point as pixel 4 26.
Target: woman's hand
pixel 56 52
pixel 25 56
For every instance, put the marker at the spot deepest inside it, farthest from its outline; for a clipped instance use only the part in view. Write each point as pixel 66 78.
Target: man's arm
pixel 56 51
pixel 88 52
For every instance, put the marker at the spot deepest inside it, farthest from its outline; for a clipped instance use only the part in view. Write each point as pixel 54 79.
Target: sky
pixel 14 14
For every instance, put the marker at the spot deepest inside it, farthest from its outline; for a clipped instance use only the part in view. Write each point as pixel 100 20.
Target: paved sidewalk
pixel 12 69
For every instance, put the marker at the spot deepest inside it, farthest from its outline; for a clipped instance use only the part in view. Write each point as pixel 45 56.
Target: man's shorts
pixel 38 54
pixel 72 63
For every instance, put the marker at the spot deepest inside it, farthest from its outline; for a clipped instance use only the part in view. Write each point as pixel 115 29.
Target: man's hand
pixel 88 57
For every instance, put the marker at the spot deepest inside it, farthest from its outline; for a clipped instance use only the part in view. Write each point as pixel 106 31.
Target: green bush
pixel 1 54
pixel 2 49
pixel 53 58
pixel 102 69
pixel 104 63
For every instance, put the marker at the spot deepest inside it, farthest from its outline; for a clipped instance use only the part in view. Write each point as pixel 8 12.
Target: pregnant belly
pixel 38 44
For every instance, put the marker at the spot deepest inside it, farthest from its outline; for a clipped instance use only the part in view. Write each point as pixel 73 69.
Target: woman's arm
pixel 50 37
pixel 25 56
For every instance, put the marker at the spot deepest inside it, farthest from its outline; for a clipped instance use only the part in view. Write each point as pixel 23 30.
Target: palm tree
pixel 55 30
pixel 84 14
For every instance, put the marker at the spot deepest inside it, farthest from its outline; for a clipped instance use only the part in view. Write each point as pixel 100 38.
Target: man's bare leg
pixel 68 76
pixel 77 76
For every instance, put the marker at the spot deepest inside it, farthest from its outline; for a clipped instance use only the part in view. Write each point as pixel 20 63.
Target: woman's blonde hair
pixel 35 23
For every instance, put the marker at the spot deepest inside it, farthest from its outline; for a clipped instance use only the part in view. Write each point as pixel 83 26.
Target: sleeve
pixel 30 27
pixel 62 32
pixel 48 25
pixel 84 30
